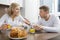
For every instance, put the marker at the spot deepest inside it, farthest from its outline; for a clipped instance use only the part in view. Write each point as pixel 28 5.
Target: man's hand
pixel 38 27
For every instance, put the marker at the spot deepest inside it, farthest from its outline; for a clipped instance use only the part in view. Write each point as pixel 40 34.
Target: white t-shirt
pixel 52 25
pixel 8 20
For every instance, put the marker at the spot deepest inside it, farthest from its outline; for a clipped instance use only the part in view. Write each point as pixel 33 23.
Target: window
pixel 48 3
pixel 58 5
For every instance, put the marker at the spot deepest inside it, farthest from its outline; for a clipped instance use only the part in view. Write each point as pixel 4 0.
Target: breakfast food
pixel 18 33
pixel 22 33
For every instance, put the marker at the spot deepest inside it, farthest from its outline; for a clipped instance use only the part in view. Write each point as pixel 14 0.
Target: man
pixel 47 22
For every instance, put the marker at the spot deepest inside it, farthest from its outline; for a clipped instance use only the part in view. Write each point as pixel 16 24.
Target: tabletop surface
pixel 37 36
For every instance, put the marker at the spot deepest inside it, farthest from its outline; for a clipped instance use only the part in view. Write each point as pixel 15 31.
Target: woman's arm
pixel 2 19
pixel 25 20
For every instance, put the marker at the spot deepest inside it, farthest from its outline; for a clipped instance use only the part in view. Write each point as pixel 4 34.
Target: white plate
pixel 16 38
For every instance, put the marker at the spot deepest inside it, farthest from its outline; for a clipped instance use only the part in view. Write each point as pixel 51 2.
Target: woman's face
pixel 16 11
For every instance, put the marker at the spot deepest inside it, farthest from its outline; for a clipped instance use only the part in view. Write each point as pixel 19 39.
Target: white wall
pixel 8 2
pixel 20 2
pixel 32 10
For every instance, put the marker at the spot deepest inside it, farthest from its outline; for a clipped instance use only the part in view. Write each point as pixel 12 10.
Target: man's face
pixel 43 13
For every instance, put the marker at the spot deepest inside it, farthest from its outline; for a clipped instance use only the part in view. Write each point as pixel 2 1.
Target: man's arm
pixel 55 28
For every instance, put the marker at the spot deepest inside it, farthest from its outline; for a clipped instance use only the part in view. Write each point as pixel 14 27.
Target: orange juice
pixel 9 26
pixel 32 30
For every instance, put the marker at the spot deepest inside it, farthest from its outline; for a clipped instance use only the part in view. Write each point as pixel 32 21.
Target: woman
pixel 13 17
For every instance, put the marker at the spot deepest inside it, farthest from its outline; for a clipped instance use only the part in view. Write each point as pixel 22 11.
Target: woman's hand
pixel 0 28
pixel 27 21
pixel 4 27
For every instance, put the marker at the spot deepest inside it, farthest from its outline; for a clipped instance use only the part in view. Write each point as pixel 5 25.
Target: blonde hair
pixel 12 6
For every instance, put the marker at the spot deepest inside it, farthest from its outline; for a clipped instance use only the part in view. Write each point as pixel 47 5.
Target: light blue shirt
pixel 52 25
